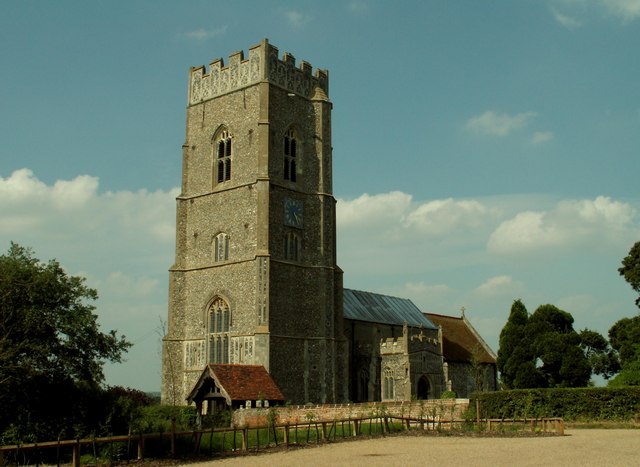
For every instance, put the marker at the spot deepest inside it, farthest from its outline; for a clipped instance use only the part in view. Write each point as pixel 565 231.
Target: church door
pixel 423 388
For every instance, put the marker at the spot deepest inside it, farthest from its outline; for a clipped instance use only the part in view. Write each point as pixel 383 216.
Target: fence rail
pixel 228 440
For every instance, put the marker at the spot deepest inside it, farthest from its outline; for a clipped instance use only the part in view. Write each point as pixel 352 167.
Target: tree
pixel 512 354
pixel 51 349
pixel 630 269
pixel 602 357
pixel 556 346
pixel 541 350
pixel 624 336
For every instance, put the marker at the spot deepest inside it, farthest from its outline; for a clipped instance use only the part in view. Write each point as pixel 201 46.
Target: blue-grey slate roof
pixel 377 308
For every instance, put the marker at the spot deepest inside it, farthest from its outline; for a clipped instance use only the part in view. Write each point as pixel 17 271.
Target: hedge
pixel 568 403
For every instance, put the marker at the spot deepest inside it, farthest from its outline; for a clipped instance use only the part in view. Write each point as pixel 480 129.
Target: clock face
pixel 293 213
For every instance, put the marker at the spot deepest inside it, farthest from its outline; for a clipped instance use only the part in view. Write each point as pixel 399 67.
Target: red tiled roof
pixel 460 340
pixel 240 382
pixel 246 382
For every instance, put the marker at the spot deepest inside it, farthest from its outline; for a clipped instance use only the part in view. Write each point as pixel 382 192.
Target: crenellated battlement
pixel 392 345
pixel 263 64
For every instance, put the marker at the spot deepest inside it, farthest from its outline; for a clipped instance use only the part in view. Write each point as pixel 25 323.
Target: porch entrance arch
pixel 424 388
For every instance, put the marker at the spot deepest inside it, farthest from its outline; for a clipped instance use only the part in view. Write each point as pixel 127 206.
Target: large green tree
pixel 51 348
pixel 542 350
pixel 630 269
pixel 515 359
pixel 624 336
pixel 601 355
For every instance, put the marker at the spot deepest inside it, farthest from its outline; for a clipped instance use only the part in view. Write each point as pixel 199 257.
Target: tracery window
pixel 290 155
pixel 388 387
pixel 221 247
pixel 292 246
pixel 219 316
pixel 222 145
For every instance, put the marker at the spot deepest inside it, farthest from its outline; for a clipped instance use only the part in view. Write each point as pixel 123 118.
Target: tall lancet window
pixel 388 389
pixel 223 152
pixel 291 159
pixel 292 247
pixel 219 325
pixel 221 247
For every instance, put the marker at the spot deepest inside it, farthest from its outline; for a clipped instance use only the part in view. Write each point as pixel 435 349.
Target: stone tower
pixel 255 279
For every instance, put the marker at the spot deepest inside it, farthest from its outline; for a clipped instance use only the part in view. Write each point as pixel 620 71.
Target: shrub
pixel 568 403
pixel 448 395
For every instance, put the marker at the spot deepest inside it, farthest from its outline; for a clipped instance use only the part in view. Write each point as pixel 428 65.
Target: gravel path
pixel 577 447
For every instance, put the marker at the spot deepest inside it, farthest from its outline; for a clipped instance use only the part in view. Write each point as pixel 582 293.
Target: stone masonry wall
pixel 438 409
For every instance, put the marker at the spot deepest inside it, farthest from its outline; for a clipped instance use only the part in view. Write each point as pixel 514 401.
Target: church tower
pixel 255 279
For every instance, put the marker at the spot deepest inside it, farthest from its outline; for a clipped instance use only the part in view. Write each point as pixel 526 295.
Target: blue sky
pixel 483 150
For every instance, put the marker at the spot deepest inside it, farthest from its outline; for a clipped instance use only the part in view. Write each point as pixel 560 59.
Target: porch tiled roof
pixel 239 382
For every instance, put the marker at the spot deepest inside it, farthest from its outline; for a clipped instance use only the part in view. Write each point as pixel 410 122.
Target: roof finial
pixel 462 310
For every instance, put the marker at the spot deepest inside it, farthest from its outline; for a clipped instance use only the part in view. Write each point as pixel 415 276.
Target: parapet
pixel 392 345
pixel 263 64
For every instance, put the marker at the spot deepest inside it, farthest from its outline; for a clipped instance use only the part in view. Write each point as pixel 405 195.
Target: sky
pixel 484 151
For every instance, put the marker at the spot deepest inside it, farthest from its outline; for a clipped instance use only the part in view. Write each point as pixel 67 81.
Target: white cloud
pixel 566 21
pixel 499 124
pixel 23 186
pixel 527 230
pixel 72 216
pixel 386 209
pixel 26 202
pixel 69 195
pixel 202 34
pixel 395 211
pixel 296 18
pixel 499 285
pixel 627 10
pixel 442 216
pixel 540 137
pixel 570 224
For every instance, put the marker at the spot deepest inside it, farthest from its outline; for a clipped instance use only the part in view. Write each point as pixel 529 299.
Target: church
pixel 255 280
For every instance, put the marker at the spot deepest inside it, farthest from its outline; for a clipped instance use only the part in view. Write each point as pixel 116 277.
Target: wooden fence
pixel 220 441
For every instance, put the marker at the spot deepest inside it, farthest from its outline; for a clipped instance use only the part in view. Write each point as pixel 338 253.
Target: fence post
pixel 75 459
pixel 324 431
pixel 286 435
pixel 140 446
pixel 245 438
pixel 173 437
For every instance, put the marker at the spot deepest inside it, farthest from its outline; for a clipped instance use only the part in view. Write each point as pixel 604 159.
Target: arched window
pixel 292 246
pixel 222 153
pixel 388 388
pixel 291 157
pixel 221 247
pixel 219 316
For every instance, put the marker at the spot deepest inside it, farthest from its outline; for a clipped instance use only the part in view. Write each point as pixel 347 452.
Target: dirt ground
pixel 593 447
